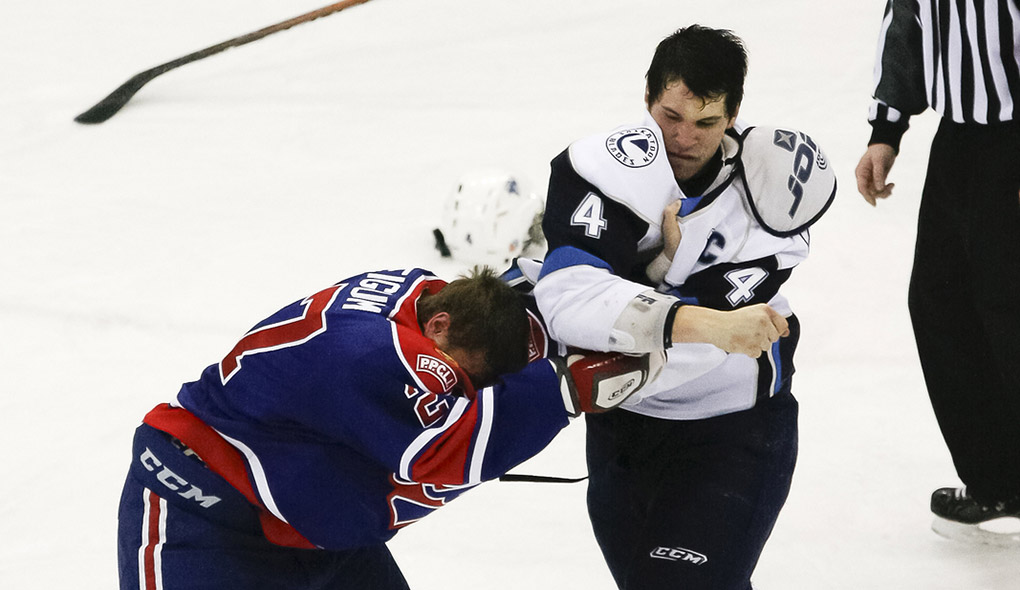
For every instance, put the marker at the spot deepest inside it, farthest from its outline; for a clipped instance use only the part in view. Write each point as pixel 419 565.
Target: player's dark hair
pixel 711 62
pixel 485 314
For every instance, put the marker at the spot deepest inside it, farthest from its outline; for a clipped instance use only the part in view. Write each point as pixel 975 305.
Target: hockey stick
pixel 109 106
pixel 540 478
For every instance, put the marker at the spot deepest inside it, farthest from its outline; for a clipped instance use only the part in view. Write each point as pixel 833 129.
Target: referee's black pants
pixel 965 301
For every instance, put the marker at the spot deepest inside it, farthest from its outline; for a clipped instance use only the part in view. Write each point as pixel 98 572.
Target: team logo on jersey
pixel 785 139
pixel 788 141
pixel 438 369
pixel 634 148
pixel 806 157
pixel 679 554
pixel 820 161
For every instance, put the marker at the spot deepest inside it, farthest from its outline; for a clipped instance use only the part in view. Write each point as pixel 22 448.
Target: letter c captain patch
pixel 634 148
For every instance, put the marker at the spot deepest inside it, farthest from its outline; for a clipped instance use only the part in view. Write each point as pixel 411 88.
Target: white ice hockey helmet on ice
pixel 489 218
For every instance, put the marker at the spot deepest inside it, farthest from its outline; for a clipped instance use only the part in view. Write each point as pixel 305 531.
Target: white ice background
pixel 133 253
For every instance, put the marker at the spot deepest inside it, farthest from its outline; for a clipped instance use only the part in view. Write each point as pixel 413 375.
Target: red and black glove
pixel 599 381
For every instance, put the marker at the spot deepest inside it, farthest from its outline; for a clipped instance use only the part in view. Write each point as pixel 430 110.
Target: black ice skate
pixel 959 516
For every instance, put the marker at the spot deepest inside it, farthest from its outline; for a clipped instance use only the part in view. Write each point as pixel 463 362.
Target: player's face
pixel 474 364
pixel 692 127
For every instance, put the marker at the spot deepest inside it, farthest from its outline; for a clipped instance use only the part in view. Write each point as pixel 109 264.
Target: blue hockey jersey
pixel 342 423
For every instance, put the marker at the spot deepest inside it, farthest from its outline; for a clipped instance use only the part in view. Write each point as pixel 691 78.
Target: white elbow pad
pixel 642 325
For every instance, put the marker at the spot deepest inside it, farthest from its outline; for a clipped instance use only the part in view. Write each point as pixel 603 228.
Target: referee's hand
pixel 872 171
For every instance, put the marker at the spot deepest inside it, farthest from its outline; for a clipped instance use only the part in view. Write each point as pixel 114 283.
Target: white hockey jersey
pixel 741 239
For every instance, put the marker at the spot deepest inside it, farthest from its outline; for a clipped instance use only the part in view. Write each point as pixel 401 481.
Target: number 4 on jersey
pixel 589 216
pixel 744 281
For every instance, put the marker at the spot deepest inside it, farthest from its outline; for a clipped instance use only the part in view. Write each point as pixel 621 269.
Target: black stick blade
pixel 109 106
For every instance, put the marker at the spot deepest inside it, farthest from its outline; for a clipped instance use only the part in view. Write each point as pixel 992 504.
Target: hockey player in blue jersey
pixel 685 206
pixel 342 418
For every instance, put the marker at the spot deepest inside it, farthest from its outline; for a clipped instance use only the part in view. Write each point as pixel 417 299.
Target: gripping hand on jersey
pixel 671 237
pixel 671 229
pixel 594 382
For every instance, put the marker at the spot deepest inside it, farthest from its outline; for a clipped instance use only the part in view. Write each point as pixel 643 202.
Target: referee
pixel 960 57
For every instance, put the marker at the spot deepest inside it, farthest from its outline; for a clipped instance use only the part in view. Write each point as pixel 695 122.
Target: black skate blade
pixel 1000 532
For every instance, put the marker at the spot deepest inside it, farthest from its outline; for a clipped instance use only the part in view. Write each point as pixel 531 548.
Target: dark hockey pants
pixel 965 300
pixel 689 504
pixel 167 542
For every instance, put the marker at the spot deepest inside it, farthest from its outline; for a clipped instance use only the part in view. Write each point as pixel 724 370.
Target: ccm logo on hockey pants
pixel 174 482
pixel 678 554
pixel 166 544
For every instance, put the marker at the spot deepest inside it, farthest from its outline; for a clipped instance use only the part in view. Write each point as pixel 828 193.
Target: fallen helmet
pixel 489 218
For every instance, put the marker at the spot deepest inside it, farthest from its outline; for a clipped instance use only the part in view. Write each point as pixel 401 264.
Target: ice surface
pixel 133 252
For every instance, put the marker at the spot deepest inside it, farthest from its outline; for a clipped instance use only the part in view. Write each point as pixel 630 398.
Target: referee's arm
pixel 899 73
pixel 899 93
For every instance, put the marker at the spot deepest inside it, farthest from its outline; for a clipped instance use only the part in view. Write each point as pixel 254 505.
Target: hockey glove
pixel 599 381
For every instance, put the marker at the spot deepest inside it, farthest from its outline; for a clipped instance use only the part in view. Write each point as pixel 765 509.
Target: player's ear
pixel 647 93
pixel 733 117
pixel 437 326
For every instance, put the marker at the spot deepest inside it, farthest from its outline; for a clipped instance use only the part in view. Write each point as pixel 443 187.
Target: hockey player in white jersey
pixel 686 206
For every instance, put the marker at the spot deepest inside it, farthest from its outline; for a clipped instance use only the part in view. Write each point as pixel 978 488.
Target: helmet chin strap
pixel 444 250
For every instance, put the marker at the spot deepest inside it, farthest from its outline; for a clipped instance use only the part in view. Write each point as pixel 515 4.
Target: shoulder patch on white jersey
pixel 787 177
pixel 628 166
pixel 634 147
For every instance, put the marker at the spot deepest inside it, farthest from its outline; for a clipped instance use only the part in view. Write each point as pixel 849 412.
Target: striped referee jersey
pixel 960 57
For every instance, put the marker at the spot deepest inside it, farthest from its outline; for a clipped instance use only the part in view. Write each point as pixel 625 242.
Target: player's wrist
pixel 692 323
pixel 657 268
